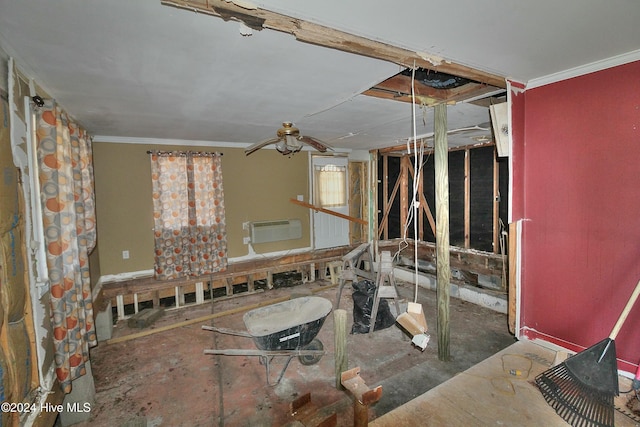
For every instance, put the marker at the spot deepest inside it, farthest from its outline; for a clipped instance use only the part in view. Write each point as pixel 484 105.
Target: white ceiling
pixel 140 69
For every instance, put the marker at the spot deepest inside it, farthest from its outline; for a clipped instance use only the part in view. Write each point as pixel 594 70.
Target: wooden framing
pixel 400 189
pixel 320 35
pixel 138 290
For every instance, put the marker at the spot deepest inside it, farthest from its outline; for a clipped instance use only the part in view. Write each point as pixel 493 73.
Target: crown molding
pixel 593 67
pixel 162 141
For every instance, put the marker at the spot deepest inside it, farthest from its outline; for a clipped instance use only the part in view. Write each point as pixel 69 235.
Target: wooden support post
pixel 340 337
pixel 443 267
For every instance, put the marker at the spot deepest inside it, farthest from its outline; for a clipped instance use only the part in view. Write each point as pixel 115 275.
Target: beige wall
pixel 257 187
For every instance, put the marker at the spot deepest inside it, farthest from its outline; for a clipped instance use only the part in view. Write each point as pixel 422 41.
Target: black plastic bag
pixel 363 294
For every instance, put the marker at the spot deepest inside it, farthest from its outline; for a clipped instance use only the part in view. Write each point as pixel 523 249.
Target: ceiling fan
pixel 289 141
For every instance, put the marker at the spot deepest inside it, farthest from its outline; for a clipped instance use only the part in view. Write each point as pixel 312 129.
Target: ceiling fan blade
pixel 258 145
pixel 315 143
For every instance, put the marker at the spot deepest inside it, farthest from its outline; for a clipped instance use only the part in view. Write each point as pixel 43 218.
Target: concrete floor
pixel 164 379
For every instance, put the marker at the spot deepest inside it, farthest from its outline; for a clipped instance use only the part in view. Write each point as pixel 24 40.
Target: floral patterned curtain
pixel 189 217
pixel 68 216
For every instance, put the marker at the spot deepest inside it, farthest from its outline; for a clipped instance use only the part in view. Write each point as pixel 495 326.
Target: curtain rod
pixel 184 153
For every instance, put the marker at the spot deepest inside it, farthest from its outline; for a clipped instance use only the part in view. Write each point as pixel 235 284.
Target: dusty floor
pixel 165 379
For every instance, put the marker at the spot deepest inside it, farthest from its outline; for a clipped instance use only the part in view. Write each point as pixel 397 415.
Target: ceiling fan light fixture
pixel 289 141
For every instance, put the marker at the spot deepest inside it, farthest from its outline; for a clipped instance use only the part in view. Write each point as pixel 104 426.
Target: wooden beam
pixel 320 35
pixel 328 211
pixel 441 160
pixel 400 149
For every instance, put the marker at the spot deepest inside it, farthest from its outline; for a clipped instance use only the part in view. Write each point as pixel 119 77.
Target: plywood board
pixel 498 391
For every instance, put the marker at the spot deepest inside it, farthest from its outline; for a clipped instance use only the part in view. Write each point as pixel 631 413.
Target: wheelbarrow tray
pixel 288 325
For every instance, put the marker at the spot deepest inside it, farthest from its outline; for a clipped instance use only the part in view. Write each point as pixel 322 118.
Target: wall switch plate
pixel 246 240
pixel 125 254
pixel 300 198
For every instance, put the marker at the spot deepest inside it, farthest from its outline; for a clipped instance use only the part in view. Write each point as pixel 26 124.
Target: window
pixel 330 181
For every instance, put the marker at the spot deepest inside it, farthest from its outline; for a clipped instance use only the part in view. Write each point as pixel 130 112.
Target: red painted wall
pixel 579 165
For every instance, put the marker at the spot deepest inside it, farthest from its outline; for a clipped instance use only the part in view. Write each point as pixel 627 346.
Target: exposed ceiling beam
pixel 309 32
pixel 398 88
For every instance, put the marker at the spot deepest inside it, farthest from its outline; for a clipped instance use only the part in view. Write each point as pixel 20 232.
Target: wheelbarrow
pixel 286 329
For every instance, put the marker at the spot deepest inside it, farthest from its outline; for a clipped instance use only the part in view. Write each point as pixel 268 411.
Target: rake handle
pixel 625 312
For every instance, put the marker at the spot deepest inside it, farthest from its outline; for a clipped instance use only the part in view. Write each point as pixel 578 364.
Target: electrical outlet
pixel 125 254
pixel 246 240
pixel 245 226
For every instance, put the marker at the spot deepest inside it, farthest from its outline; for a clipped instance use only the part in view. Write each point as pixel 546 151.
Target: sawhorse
pixel 385 286
pixel 351 267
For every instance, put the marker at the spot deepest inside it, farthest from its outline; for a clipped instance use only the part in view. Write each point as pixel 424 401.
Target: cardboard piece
pixel 413 320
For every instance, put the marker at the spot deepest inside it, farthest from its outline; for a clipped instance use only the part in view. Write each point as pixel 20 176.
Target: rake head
pixel 581 390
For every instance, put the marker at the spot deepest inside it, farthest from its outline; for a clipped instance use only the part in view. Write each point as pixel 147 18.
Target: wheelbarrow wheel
pixel 311 359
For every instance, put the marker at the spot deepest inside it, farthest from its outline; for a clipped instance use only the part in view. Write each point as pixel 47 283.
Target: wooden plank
pixel 506 399
pixel 328 211
pixel 443 269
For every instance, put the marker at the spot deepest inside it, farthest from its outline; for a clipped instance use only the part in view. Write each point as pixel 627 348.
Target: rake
pixel 582 388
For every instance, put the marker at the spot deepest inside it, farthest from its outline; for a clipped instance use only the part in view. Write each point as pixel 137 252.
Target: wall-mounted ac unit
pixel 273 231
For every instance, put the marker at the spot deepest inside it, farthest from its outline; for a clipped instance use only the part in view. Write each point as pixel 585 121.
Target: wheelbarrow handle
pixel 227 331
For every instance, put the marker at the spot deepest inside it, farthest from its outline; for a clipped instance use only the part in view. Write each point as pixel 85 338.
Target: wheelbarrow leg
pixel 265 360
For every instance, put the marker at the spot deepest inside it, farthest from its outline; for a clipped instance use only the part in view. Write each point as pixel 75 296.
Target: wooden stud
pixel 388 204
pixel 404 192
pixel 250 283
pixel 385 196
pixel 443 268
pixel 496 204
pixel 467 199
pixel 156 299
